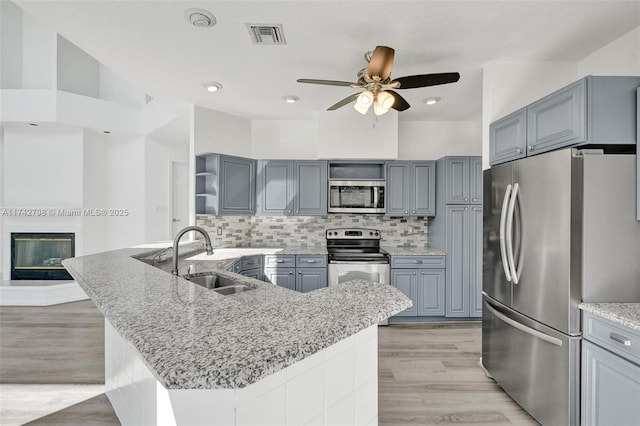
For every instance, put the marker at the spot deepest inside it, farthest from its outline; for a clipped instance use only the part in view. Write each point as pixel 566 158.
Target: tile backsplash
pixel 306 231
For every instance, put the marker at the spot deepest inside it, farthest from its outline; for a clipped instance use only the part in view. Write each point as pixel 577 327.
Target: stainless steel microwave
pixel 356 196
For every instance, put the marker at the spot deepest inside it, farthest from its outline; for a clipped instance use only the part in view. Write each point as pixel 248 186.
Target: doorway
pixel 179 210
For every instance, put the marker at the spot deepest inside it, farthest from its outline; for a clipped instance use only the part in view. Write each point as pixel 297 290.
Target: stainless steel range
pixel 355 254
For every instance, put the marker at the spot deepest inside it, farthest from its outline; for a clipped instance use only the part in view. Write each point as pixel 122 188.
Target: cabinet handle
pixel 297 211
pixel 620 339
pixel 418 261
pixel 290 272
pixel 466 199
pixel 413 211
pixel 299 272
pixel 530 147
pixel 466 208
pixel 519 151
pixel 279 261
pixel 310 261
pixel 413 273
pixel 405 211
pixel 422 273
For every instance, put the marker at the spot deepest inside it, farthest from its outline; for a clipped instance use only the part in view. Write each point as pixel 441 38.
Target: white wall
pixel 430 140
pixel 508 86
pixel 94 190
pixel 38 55
pixel 216 131
pixel 10 46
pixel 294 139
pixel 42 167
pixel 77 71
pixel 114 88
pixel 620 57
pixel 347 134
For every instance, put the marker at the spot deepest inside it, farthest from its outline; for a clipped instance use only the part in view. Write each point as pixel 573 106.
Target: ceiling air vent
pixel 266 33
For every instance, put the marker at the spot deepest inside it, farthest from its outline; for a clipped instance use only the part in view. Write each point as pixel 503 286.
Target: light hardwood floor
pixel 428 373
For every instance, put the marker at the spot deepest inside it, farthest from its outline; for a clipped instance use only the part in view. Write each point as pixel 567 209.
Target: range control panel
pixel 353 234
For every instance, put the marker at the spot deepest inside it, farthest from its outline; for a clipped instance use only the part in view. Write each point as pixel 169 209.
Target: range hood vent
pixel 266 33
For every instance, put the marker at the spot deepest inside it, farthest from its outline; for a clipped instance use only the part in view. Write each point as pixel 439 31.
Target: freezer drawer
pixel 537 366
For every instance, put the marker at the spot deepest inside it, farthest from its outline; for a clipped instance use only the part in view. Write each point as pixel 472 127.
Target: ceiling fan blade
pixel 343 102
pixel 326 82
pixel 381 62
pixel 400 104
pixel 424 80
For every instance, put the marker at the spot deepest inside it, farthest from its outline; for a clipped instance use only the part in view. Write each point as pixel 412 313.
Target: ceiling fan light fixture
pixel 212 86
pixel 361 109
pixel 432 101
pixel 365 99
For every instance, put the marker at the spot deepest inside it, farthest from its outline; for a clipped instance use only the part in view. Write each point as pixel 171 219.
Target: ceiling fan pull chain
pixel 375 121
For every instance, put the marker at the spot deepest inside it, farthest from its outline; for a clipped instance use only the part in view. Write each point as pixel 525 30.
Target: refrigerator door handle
pixel 503 218
pixel 512 206
pixel 524 328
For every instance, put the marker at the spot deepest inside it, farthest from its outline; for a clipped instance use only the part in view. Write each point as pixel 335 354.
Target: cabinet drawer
pixel 279 261
pixel 251 262
pixel 614 337
pixel 311 261
pixel 417 262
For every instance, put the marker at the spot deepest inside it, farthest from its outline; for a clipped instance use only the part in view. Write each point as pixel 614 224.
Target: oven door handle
pixel 351 262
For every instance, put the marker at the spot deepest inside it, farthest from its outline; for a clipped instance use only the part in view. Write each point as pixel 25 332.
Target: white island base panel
pixel 336 386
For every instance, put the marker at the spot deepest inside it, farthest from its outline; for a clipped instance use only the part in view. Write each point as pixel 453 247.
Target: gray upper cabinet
pixel 411 188
pixel 457 180
pixel 475 184
pixel 596 110
pixel 310 188
pixel 557 120
pixel 275 187
pixel 225 185
pixel 288 187
pixel 508 138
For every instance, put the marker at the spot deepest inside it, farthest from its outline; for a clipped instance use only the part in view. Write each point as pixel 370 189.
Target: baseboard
pixel 41 295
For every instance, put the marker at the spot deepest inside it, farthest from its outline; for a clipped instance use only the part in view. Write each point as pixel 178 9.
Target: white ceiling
pixel 151 44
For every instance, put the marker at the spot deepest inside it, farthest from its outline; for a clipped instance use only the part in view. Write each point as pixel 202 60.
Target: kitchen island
pixel 178 353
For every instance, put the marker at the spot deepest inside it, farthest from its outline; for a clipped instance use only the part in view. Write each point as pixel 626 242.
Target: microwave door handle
pixel 375 197
pixel 503 217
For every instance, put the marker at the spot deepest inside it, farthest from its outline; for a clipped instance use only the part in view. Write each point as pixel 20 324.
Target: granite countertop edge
pixel 627 314
pixel 193 338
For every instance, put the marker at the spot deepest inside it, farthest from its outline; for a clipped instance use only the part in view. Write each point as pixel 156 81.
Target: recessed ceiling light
pixel 431 101
pixel 290 99
pixel 200 18
pixel 212 86
pixel 33 124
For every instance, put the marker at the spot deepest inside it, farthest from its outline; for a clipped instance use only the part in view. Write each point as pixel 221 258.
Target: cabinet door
pixel 423 188
pixel 275 193
pixel 406 280
pixel 431 292
pixel 558 119
pixel 309 279
pixel 310 188
pixel 283 277
pixel 457 294
pixel 457 180
pixel 254 273
pixel 237 185
pixel 398 188
pixel 475 184
pixel 610 388
pixel 508 138
pixel 475 262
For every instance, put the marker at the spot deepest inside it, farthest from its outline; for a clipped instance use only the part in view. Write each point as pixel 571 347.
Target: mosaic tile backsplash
pixel 307 231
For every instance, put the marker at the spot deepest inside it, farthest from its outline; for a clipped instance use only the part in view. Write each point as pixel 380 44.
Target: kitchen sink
pixel 219 283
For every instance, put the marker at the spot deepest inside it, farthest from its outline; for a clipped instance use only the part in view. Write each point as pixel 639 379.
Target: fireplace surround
pixel 38 255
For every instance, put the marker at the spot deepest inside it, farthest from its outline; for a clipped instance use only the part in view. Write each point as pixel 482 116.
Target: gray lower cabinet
pixel 411 188
pixel 421 279
pixel 251 266
pixel 464 260
pixel 598 110
pixel 225 185
pixel 287 187
pixel 296 272
pixel 610 374
pixel 256 273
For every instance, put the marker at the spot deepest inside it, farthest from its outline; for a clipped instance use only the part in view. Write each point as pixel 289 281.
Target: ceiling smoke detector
pixel 200 18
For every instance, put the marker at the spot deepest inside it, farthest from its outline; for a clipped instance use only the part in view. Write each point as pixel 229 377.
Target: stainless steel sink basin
pixel 219 283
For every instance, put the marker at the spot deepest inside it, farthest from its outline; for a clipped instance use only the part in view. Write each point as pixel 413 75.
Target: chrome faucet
pixel 176 240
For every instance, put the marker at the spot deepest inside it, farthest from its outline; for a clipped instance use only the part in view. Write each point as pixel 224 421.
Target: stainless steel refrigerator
pixel 559 228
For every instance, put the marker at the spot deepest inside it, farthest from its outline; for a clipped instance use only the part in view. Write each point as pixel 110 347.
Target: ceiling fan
pixel 377 82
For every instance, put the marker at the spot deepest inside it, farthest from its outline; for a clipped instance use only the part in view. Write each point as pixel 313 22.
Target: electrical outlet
pixel 219 230
pixel 410 231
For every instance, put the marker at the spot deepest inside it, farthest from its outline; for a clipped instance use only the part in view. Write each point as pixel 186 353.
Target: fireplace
pixel 38 256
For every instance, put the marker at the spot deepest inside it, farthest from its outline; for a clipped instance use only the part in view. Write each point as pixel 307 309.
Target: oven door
pixel 342 271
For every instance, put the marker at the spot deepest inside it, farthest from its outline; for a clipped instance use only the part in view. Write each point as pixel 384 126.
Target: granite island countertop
pixel 194 338
pixel 627 314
